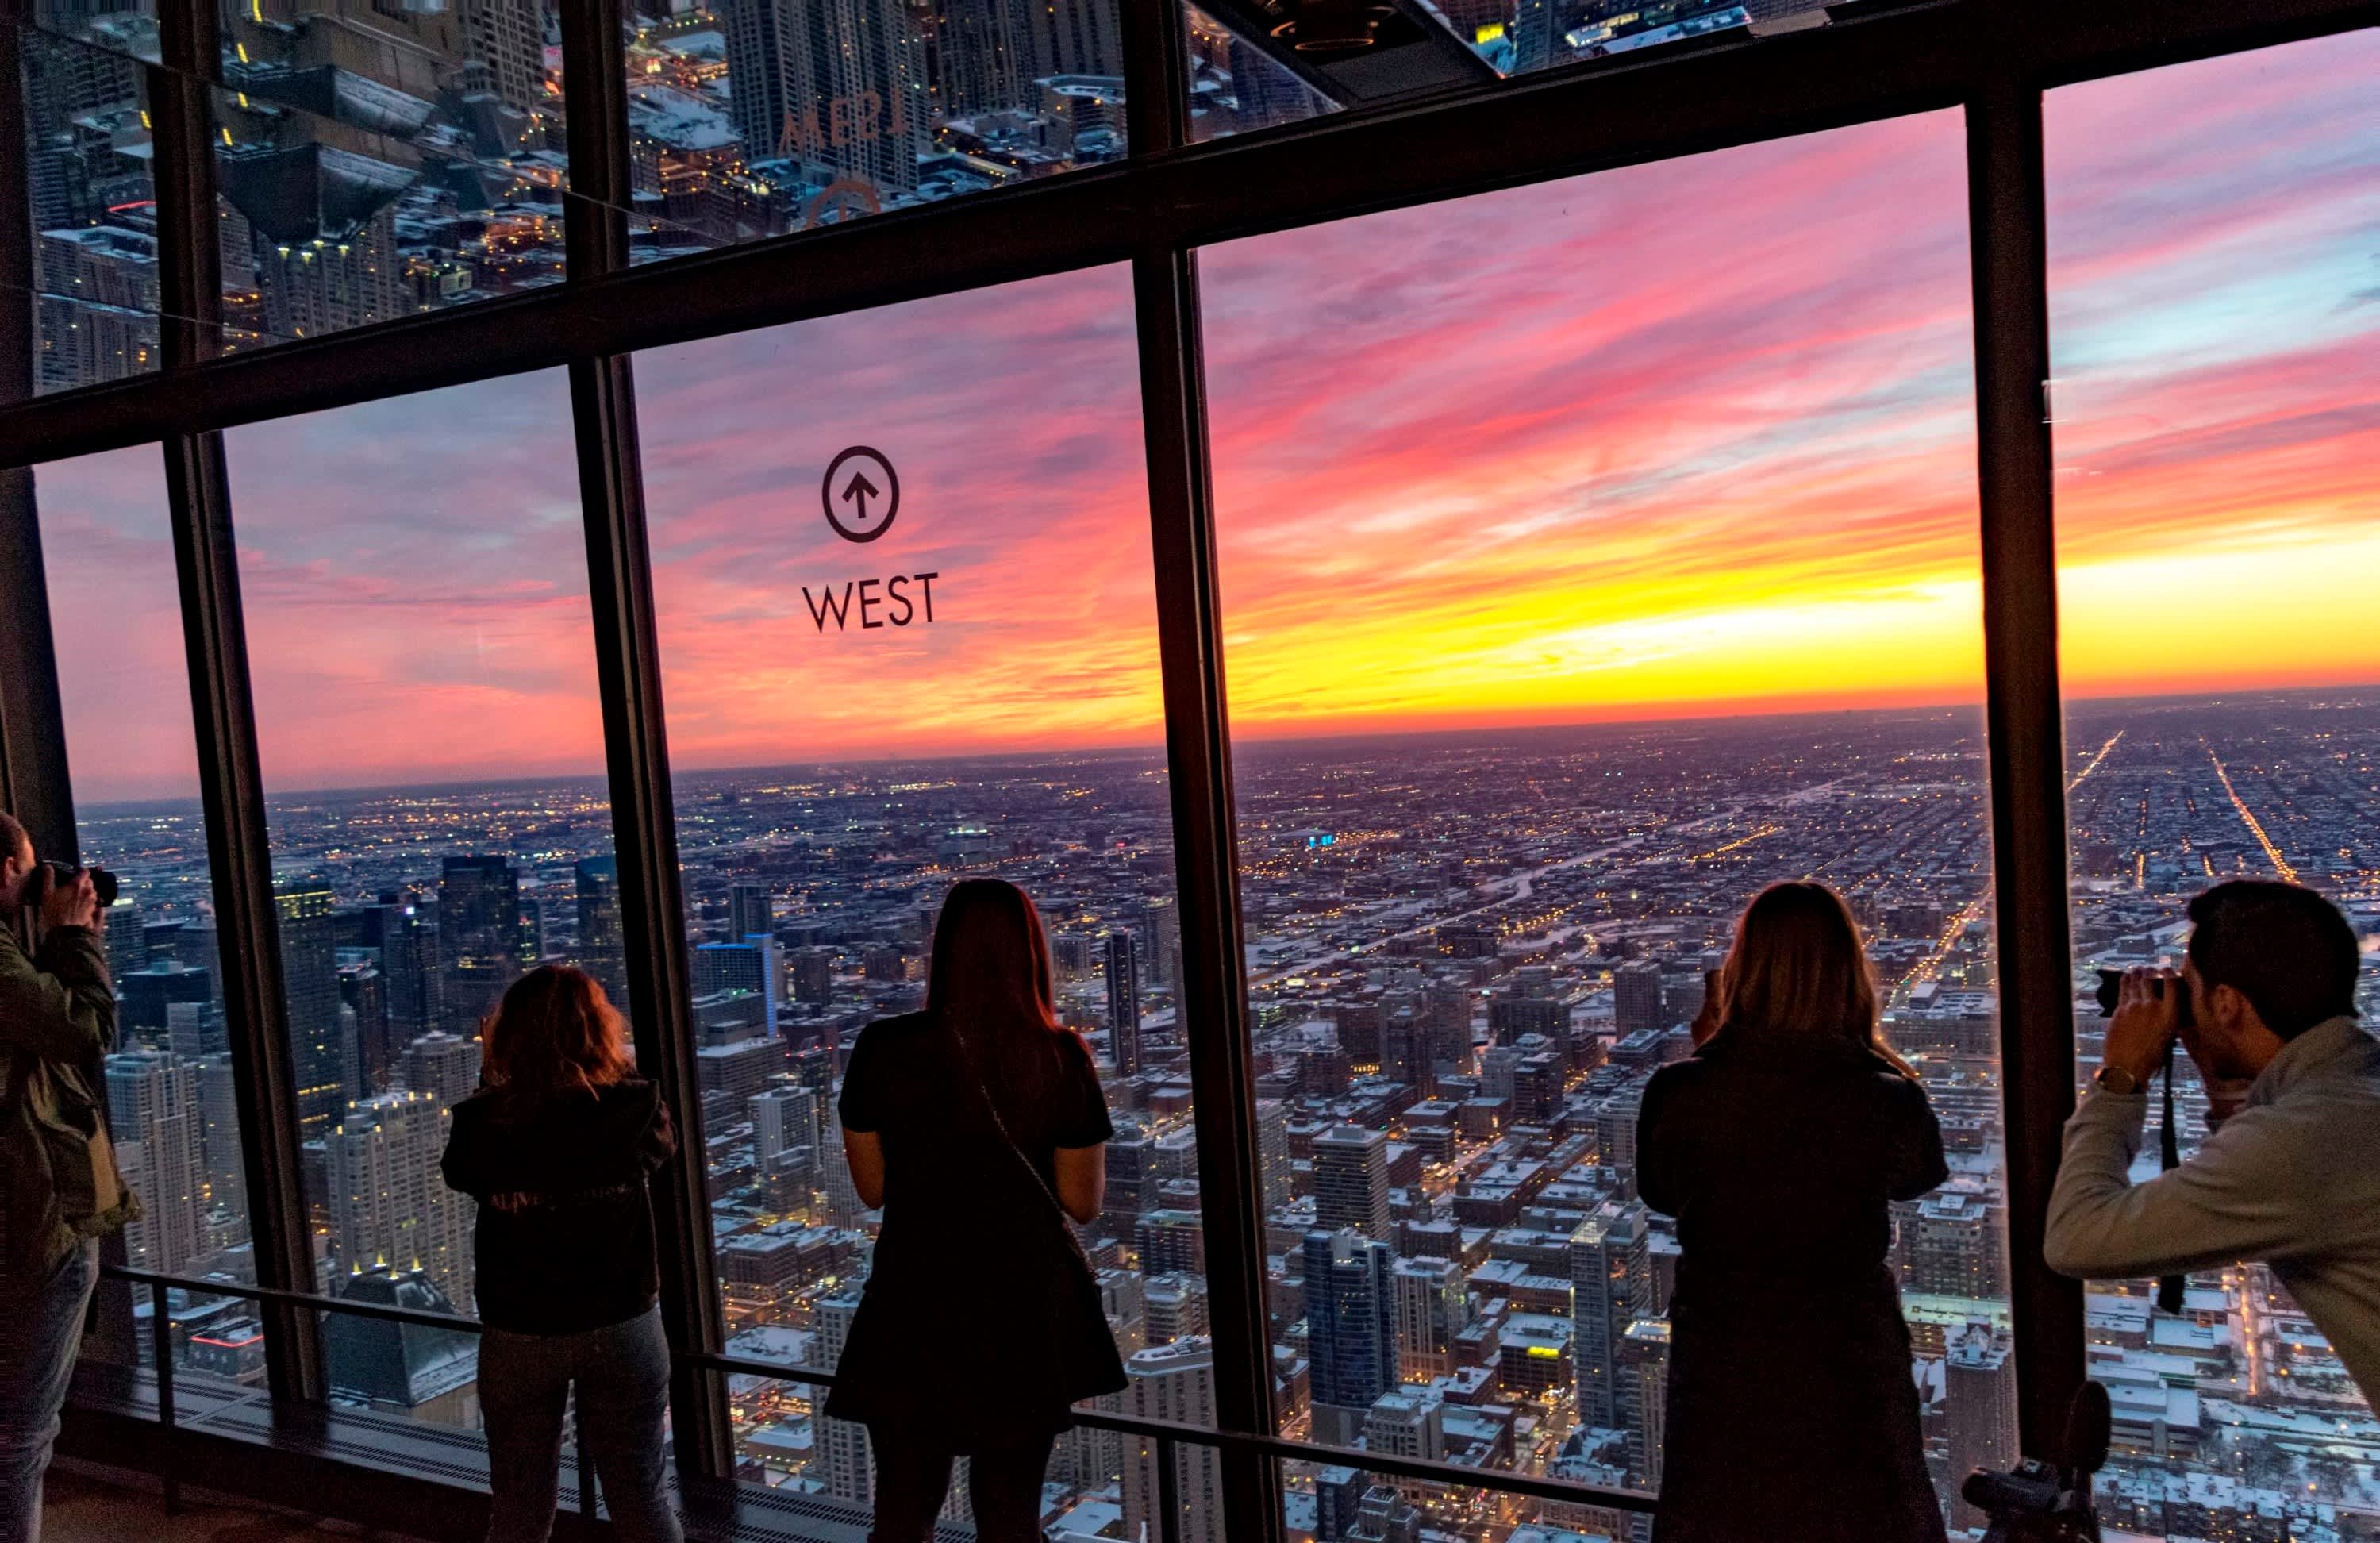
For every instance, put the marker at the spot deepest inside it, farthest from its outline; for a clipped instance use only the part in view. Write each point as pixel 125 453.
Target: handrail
pixel 1165 1432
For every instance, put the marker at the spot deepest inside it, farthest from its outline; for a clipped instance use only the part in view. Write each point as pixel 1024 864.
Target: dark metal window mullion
pixel 627 655
pixel 2025 726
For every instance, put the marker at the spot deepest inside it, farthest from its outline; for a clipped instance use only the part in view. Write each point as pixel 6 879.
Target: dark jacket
pixel 564 1237
pixel 1791 1410
pixel 58 1182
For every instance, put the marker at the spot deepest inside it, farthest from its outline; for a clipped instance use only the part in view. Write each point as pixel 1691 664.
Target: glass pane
pixel 750 118
pixel 1235 85
pixel 378 161
pixel 2216 342
pixel 909 636
pixel 93 213
pixel 1335 1500
pixel 115 617
pixel 422 656
pixel 127 27
pixel 1632 597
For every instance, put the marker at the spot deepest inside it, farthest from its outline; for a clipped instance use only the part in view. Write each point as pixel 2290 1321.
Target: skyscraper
pixel 1979 1410
pixel 126 937
pixel 810 974
pixel 1610 1271
pixel 849 1468
pixel 601 942
pixel 749 965
pixel 227 1175
pixel 310 985
pixel 1636 995
pixel 152 1110
pixel 1124 1004
pixel 1433 1302
pixel 509 37
pixel 387 1204
pixel 838 85
pixel 1173 1383
pixel 1350 1332
pixel 1274 1175
pixel 414 984
pixel 751 913
pixel 1643 1382
pixel 440 1066
pixel 1351 1181
pixel 784 1119
pixel 480 932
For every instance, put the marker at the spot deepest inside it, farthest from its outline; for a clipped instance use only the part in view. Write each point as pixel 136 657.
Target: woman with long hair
pixel 556 1147
pixel 979 1127
pixel 1779 1146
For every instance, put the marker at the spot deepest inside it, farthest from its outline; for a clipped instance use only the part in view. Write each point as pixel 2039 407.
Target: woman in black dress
pixel 977 1126
pixel 1778 1146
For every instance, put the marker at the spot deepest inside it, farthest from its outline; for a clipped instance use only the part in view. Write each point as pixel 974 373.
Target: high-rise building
pixel 153 1113
pixel 1636 987
pixel 388 1205
pixel 1351 1181
pixel 749 966
pixel 509 37
pixel 1274 1175
pixel 1407 1423
pixel 310 987
pixel 1350 1329
pixel 441 1066
pixel 837 85
pixel 602 948
pixel 1951 1243
pixel 1433 1302
pixel 810 974
pixel 480 932
pixel 363 990
pixel 227 1174
pixel 1173 1383
pixel 1979 1411
pixel 1643 1375
pixel 1612 1275
pixel 125 936
pixel 1124 1003
pixel 848 1466
pixel 785 1120
pixel 751 913
pixel 413 983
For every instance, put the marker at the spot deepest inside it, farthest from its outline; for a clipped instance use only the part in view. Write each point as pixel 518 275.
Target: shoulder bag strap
pixel 992 1107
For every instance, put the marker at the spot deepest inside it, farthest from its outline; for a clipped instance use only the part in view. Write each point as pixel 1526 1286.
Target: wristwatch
pixel 2115 1080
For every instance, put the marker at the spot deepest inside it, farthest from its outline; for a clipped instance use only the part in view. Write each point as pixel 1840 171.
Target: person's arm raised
pixel 1081 1180
pixel 865 1151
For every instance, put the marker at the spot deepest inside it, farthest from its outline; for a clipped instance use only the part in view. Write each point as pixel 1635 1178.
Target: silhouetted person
pixel 59 1191
pixel 2289 1171
pixel 1779 1146
pixel 556 1147
pixel 977 1126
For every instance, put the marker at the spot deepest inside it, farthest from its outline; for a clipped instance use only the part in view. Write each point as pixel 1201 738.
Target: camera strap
pixel 2169 1288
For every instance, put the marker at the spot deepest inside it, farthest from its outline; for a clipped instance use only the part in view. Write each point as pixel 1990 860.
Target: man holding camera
pixel 59 1191
pixel 2289 1173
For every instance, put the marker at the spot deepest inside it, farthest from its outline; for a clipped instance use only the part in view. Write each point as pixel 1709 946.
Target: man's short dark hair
pixel 13 836
pixel 2282 946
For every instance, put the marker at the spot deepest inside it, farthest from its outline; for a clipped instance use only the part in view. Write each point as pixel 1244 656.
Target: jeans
pixel 40 1329
pixel 622 1374
pixel 912 1474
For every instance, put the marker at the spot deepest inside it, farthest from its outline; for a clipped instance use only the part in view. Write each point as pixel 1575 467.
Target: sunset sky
pixel 1680 437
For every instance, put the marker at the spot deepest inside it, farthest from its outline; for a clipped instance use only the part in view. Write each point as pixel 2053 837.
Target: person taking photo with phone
pixel 2289 1173
pixel 59 1190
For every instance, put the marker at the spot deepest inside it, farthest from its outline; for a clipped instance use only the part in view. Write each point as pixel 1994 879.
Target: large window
pixel 750 118
pixel 1593 554
pixel 2216 332
pixel 423 667
pixel 902 563
pixel 115 617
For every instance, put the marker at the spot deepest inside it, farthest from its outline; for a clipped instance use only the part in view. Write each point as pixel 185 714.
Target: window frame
pixel 1154 210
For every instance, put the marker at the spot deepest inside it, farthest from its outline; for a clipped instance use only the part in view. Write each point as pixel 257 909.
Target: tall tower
pixel 838 84
pixel 388 1205
pixel 1124 1004
pixel 1643 1378
pixel 1173 1383
pixel 441 1066
pixel 841 1444
pixel 226 1172
pixel 1433 1309
pixel 1351 1181
pixel 1612 1276
pixel 309 987
pixel 1636 995
pixel 1979 1404
pixel 1351 1332
pixel 479 928
pixel 153 1104
pixel 751 913
pixel 602 941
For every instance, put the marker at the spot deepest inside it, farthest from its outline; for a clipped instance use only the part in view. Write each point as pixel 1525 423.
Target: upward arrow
pixel 858 491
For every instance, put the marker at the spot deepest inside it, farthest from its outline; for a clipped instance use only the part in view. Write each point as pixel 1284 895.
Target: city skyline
pixel 2216 332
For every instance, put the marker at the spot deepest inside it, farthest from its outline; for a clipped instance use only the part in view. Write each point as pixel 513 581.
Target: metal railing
pixel 1168 1436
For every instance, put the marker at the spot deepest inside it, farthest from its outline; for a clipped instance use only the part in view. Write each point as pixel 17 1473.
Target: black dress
pixel 966 1327
pixel 1792 1409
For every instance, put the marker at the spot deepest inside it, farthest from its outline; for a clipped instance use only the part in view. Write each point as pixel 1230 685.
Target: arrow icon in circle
pixel 859 492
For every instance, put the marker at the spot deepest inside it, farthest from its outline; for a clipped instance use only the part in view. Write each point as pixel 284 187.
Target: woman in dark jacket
pixel 1779 1146
pixel 977 1126
pixel 556 1147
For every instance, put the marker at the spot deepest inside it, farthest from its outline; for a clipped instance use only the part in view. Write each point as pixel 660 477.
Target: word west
pixel 859 597
pixel 854 118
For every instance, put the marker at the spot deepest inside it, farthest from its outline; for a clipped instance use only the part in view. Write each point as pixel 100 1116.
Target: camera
pixel 2043 1502
pixel 103 882
pixel 2112 986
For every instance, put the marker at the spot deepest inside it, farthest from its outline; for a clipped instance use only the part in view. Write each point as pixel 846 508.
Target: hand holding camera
pixel 2149 1010
pixel 75 897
